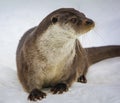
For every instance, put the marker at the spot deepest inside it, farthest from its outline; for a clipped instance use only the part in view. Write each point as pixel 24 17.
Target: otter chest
pixel 58 47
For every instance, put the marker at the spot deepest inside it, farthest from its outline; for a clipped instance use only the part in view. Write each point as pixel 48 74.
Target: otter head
pixel 68 19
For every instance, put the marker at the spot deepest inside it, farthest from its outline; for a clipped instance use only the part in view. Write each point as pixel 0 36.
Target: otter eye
pixel 54 19
pixel 73 20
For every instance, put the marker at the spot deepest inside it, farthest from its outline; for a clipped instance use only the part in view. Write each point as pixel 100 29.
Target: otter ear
pixel 54 19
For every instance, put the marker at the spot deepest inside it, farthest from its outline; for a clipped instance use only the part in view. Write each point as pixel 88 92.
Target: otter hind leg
pixel 59 88
pixel 36 94
pixel 82 79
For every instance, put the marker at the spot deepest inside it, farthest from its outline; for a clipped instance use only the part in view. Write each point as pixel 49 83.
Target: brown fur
pixel 96 54
pixel 34 72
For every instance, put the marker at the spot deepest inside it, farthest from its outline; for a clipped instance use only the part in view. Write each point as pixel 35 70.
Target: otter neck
pixel 56 41
pixel 58 36
pixel 59 30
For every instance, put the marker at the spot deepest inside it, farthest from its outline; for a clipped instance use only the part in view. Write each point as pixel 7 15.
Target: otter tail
pixel 96 54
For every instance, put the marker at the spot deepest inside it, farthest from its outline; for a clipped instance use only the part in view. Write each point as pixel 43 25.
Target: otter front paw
pixel 36 95
pixel 82 79
pixel 59 88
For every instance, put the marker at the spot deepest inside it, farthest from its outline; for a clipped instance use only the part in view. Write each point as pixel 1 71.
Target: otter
pixel 50 54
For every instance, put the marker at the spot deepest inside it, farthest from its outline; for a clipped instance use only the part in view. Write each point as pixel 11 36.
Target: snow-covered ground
pixel 17 16
pixel 103 86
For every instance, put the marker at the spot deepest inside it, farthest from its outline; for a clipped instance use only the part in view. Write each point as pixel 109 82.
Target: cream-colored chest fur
pixel 57 45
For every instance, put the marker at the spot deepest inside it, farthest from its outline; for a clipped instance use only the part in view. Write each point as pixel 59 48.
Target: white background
pixel 17 16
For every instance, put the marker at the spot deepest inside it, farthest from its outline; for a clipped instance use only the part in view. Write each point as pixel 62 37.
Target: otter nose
pixel 89 22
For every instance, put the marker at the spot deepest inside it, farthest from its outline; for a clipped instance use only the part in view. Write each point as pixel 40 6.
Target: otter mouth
pixel 86 26
pixel 89 23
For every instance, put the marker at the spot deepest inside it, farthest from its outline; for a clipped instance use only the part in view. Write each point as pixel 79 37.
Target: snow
pixel 103 86
pixel 17 16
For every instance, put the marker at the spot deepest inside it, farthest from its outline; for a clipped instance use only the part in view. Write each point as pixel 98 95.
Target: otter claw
pixel 59 88
pixel 36 95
